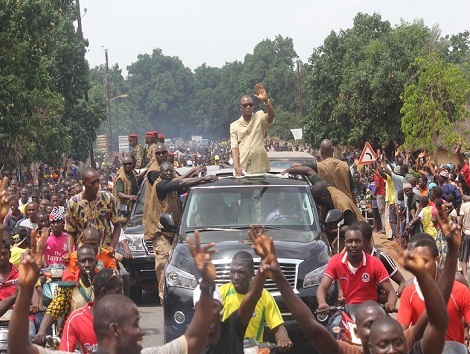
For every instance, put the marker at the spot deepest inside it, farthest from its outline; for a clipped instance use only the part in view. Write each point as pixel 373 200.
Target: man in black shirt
pixel 163 197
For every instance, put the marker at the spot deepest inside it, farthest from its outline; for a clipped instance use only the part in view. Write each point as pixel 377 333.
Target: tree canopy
pixel 372 82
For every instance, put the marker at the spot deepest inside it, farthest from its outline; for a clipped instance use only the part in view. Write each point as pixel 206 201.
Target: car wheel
pixel 136 294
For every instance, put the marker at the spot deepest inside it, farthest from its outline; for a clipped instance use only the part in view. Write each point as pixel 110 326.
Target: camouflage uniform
pixel 138 153
pixel 151 154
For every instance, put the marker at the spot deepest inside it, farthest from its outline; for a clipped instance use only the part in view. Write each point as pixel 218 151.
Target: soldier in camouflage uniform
pixel 151 141
pixel 137 152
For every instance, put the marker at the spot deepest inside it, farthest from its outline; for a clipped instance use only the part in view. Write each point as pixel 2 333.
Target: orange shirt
pixel 103 258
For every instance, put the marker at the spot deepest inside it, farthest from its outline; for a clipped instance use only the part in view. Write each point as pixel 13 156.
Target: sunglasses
pixel 247 105
pixel 164 152
pixel 127 164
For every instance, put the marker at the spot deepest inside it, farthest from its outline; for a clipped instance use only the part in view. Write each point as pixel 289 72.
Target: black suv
pixel 222 212
pixel 141 267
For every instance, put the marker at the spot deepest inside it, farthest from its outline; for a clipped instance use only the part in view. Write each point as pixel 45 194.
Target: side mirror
pixel 167 222
pixel 333 217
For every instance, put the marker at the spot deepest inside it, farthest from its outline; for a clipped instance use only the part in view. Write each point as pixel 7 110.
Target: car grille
pixel 289 269
pixel 149 245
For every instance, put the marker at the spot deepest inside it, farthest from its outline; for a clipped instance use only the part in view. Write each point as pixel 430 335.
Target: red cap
pixel 161 136
pixel 149 135
pixel 155 133
pixel 132 135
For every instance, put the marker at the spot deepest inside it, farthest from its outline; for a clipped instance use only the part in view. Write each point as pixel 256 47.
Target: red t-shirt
pixel 465 171
pixel 78 330
pixel 412 306
pixel 362 285
pixel 8 285
pixel 379 183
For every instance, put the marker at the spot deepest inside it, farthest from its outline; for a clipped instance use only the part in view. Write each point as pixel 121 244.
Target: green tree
pixel 30 110
pixel 434 103
pixel 161 87
pixel 356 81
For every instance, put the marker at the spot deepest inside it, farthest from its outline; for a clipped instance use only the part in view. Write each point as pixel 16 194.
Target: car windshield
pixel 227 212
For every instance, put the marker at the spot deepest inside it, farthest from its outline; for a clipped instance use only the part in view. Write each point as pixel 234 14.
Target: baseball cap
pixel 197 294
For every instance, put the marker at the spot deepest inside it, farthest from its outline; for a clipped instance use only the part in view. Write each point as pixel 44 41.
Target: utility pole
pixel 108 98
pixel 116 109
pixel 85 94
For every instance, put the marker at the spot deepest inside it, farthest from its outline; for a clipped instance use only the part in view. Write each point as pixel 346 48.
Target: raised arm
pixel 263 96
pixel 458 152
pixel 380 170
pixel 318 334
pixel 247 307
pixel 198 330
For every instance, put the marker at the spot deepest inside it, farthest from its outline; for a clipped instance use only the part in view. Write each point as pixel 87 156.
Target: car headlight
pixel 136 242
pixel 313 278
pixel 180 278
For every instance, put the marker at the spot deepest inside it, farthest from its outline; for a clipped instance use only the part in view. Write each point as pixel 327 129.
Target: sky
pixel 215 32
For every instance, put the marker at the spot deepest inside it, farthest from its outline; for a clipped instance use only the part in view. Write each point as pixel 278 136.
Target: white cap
pixel 197 294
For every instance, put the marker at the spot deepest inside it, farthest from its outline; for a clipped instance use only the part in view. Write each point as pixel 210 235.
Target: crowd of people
pixel 75 218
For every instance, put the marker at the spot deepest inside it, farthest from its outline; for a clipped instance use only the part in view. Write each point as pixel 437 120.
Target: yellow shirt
pixel 389 190
pixel 426 220
pixel 266 310
pixel 249 139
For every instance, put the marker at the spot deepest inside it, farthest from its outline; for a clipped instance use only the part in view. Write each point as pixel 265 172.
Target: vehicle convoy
pixel 223 211
pixel 284 159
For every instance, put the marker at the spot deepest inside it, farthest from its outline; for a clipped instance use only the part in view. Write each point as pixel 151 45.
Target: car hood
pixel 226 250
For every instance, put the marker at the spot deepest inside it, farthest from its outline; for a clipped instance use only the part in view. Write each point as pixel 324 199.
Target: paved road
pixel 151 319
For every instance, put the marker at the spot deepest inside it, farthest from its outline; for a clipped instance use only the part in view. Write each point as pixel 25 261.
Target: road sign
pixel 367 156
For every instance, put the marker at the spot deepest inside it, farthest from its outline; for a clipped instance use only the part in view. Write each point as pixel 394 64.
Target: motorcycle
pixel 4 323
pixel 251 346
pixel 50 279
pixel 345 331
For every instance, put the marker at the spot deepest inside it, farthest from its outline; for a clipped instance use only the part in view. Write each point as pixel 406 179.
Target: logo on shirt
pixel 365 277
